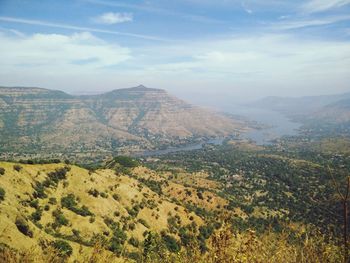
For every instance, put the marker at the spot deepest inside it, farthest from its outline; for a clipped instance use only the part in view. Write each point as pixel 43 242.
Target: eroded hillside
pixel 34 120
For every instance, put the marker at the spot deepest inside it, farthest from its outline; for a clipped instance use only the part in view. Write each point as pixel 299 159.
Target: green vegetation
pixel 2 171
pixel 63 248
pixel 23 226
pixel 70 203
pixel 60 219
pixel 126 161
pixel 17 167
pixel 2 194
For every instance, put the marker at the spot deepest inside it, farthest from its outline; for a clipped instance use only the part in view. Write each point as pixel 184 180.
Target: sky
pixel 205 51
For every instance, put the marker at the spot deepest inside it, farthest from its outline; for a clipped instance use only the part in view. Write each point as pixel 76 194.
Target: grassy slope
pixel 19 188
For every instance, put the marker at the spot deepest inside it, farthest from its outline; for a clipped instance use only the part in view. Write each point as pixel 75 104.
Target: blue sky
pixel 201 50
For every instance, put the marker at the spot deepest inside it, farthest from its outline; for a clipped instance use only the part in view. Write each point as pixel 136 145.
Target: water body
pixel 278 124
pixel 190 147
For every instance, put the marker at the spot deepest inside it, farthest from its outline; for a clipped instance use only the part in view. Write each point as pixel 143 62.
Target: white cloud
pixel 113 18
pixel 50 53
pixel 301 23
pixel 314 6
pixel 279 64
pixel 79 28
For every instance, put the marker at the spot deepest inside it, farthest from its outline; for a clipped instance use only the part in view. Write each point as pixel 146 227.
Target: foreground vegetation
pixel 225 246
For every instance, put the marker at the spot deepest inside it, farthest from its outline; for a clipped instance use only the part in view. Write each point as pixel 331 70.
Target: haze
pixel 204 51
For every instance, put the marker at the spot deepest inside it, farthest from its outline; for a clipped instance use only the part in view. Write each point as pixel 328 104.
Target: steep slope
pixel 44 203
pixel 40 120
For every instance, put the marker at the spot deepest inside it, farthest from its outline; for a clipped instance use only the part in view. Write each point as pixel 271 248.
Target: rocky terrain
pixel 34 120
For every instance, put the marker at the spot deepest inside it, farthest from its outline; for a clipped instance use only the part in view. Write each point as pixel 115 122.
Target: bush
pixel 63 248
pixel 117 241
pixel 34 203
pixel 126 161
pixel 52 201
pixel 36 216
pixel 39 191
pixel 70 203
pixel 143 222
pixel 171 243
pixel 54 177
pixel 17 167
pixel 23 227
pixel 134 242
pixel 93 192
pixel 2 171
pixel 2 194
pixel 60 219
pixel 116 197
pixel 103 195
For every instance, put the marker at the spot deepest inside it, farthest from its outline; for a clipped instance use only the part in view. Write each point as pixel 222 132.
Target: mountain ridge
pixel 131 119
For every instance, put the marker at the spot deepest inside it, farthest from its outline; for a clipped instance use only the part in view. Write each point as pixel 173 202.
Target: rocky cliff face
pixel 33 119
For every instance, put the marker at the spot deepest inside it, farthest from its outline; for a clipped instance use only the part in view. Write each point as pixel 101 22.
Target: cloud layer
pixel 79 52
pixel 113 18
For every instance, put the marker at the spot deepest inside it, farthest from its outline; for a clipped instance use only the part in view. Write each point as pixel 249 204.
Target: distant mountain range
pixel 42 120
pixel 333 108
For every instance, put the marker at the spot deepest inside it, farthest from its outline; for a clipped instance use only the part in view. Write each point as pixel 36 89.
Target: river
pixel 278 126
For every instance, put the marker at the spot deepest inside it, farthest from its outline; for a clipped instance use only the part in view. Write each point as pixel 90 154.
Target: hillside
pixel 299 105
pixel 48 202
pixel 338 112
pixel 34 120
pixel 125 212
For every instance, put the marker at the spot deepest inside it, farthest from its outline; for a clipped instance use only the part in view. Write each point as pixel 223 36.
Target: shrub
pixel 93 192
pixel 171 243
pixel 60 219
pixel 54 177
pixel 143 222
pixel 52 201
pixel 126 161
pixel 63 248
pixel 117 241
pixel 23 226
pixel 134 242
pixel 132 226
pixel 2 171
pixel 103 195
pixel 70 203
pixel 34 203
pixel 2 194
pixel 39 191
pixel 17 167
pixel 116 197
pixel 36 216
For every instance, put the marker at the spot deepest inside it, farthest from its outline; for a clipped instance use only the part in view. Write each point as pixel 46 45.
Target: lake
pixel 278 124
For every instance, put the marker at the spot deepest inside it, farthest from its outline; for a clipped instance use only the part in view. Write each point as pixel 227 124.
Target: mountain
pixel 333 108
pixel 299 105
pixel 42 120
pixel 338 112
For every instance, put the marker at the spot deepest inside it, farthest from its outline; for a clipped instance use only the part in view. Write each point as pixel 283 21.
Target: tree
pixel 63 248
pixel 2 194
pixel 344 199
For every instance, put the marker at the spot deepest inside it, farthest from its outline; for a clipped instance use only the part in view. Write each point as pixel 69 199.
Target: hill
pixel 48 202
pixel 300 105
pixel 34 120
pixel 129 213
